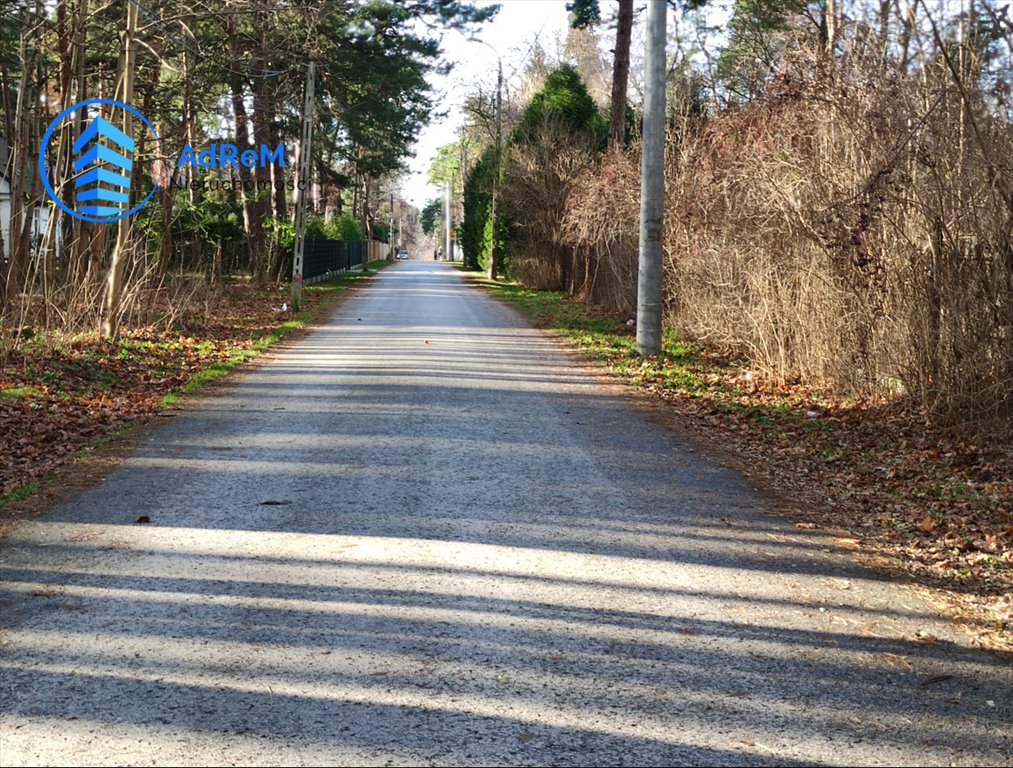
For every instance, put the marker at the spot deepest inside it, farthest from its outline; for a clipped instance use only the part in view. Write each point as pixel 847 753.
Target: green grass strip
pixel 685 368
pixel 26 391
pixel 19 493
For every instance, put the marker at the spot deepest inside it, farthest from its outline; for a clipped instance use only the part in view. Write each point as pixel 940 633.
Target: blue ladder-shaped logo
pixel 102 165
pixel 103 162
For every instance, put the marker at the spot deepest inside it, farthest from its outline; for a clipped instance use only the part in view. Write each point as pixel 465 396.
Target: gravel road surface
pixel 423 535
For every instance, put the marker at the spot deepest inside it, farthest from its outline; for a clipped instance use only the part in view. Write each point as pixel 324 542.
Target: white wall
pixel 38 226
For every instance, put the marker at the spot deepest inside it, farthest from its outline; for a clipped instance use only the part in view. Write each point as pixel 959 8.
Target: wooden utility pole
pixel 302 189
pixel 652 185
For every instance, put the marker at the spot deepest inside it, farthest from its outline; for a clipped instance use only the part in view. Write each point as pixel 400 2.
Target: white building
pixel 38 224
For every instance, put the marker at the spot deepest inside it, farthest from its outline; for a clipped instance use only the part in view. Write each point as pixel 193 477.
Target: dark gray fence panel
pixel 323 256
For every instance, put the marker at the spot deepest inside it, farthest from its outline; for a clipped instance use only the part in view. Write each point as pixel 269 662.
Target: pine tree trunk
pixel 621 73
pixel 252 224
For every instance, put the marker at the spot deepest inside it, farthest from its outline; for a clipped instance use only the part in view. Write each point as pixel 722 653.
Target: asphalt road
pixel 423 535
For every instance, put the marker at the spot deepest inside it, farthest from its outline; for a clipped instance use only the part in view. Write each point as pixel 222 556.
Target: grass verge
pixel 22 492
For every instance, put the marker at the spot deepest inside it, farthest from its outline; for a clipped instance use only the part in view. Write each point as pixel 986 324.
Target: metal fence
pixel 322 257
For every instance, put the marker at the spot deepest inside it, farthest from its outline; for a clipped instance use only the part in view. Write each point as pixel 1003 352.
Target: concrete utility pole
pixel 652 185
pixel 302 189
pixel 446 221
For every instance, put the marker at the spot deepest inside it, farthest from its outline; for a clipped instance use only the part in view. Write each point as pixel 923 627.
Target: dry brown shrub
pixel 601 223
pixel 850 230
pixel 852 234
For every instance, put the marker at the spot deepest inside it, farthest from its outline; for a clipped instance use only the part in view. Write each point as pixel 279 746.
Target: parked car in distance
pixel 402 254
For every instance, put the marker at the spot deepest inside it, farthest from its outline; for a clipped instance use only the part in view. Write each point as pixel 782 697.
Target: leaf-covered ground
pixel 876 474
pixel 61 396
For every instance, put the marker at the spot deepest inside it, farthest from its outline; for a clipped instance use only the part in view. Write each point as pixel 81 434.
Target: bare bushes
pixel 849 229
pixel 68 299
pixel 852 235
pixel 767 249
pixel 601 224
